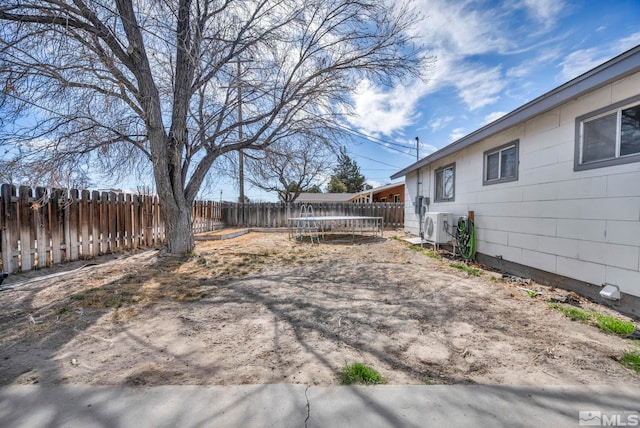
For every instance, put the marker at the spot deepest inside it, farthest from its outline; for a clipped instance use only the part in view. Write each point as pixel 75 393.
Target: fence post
pixel 42 226
pixel 9 228
pixel 72 215
pixel 84 222
pixel 26 227
pixel 57 225
pixel 127 221
pixel 156 221
pixel 148 206
pixel 95 222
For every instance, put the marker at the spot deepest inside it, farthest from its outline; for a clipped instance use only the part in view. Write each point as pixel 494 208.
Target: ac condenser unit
pixel 437 227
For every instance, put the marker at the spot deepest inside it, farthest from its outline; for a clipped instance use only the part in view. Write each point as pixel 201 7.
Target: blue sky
pixel 489 58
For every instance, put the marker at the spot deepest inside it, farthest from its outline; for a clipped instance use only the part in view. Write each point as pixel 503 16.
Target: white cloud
pixel 479 87
pixel 579 62
pixel 545 11
pixel 439 122
pixel 383 112
pixel 628 42
pixel 583 60
pixel 458 34
pixel 528 67
pixel 460 28
pixel 457 133
pixel 426 149
pixel 494 116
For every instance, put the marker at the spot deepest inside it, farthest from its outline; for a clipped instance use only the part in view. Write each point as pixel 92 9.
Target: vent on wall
pixel 437 227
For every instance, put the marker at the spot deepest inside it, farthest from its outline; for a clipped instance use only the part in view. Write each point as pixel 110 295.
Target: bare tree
pixel 157 83
pixel 290 168
pixel 15 169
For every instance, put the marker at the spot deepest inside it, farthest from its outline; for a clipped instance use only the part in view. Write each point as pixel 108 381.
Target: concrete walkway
pixel 311 406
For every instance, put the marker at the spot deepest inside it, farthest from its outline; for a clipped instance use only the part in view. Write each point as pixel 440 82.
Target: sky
pixel 488 58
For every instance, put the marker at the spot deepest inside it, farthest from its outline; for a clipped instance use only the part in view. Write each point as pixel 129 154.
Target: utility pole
pixel 240 138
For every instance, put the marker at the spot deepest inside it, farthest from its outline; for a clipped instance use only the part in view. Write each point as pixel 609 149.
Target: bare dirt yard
pixel 261 308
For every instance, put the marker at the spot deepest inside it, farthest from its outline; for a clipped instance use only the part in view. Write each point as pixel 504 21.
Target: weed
pixel 360 373
pixel 426 252
pixel 603 322
pixel 468 269
pixel 570 312
pixel 496 279
pixel 613 325
pixel 201 261
pixel 131 278
pixel 427 380
pixel 116 301
pixel 631 360
pixel 532 294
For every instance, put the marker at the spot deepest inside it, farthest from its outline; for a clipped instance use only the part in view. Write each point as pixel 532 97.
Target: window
pixel 383 199
pixel 608 136
pixel 396 198
pixel 445 183
pixel 501 164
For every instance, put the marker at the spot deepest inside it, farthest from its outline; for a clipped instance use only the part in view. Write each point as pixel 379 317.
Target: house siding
pixel 580 224
pixel 389 194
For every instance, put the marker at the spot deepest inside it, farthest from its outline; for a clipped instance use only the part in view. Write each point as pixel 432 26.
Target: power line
pixel 380 162
pixel 375 140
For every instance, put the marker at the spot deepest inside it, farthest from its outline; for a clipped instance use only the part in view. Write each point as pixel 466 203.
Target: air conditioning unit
pixel 437 227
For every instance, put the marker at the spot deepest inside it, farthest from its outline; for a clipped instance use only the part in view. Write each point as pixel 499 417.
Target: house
pixel 387 193
pixel 554 185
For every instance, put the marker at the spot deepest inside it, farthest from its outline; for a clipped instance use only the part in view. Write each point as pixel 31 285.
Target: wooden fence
pixel 43 227
pixel 277 214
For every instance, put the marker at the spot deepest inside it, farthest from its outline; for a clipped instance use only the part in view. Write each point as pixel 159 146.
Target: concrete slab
pixel 463 405
pixel 221 235
pixel 283 405
pixel 76 406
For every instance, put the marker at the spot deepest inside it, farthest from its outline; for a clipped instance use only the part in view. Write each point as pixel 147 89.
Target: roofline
pixel 616 68
pixel 380 189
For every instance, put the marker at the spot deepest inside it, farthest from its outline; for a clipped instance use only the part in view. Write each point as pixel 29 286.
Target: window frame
pixel 499 150
pixel 616 108
pixel 451 166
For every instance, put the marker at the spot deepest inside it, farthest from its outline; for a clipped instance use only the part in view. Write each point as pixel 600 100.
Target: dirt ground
pixel 261 308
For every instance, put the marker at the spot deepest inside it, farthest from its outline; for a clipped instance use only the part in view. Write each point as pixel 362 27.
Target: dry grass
pixel 126 292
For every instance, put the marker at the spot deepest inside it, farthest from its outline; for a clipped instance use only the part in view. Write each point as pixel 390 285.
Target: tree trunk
pixel 179 230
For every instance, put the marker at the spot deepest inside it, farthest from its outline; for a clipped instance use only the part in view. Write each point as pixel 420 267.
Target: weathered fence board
pixel 42 227
pixel 277 214
pixel 9 228
pixel 26 222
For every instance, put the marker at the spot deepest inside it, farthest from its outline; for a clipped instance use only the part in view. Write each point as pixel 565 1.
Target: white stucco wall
pixel 580 224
